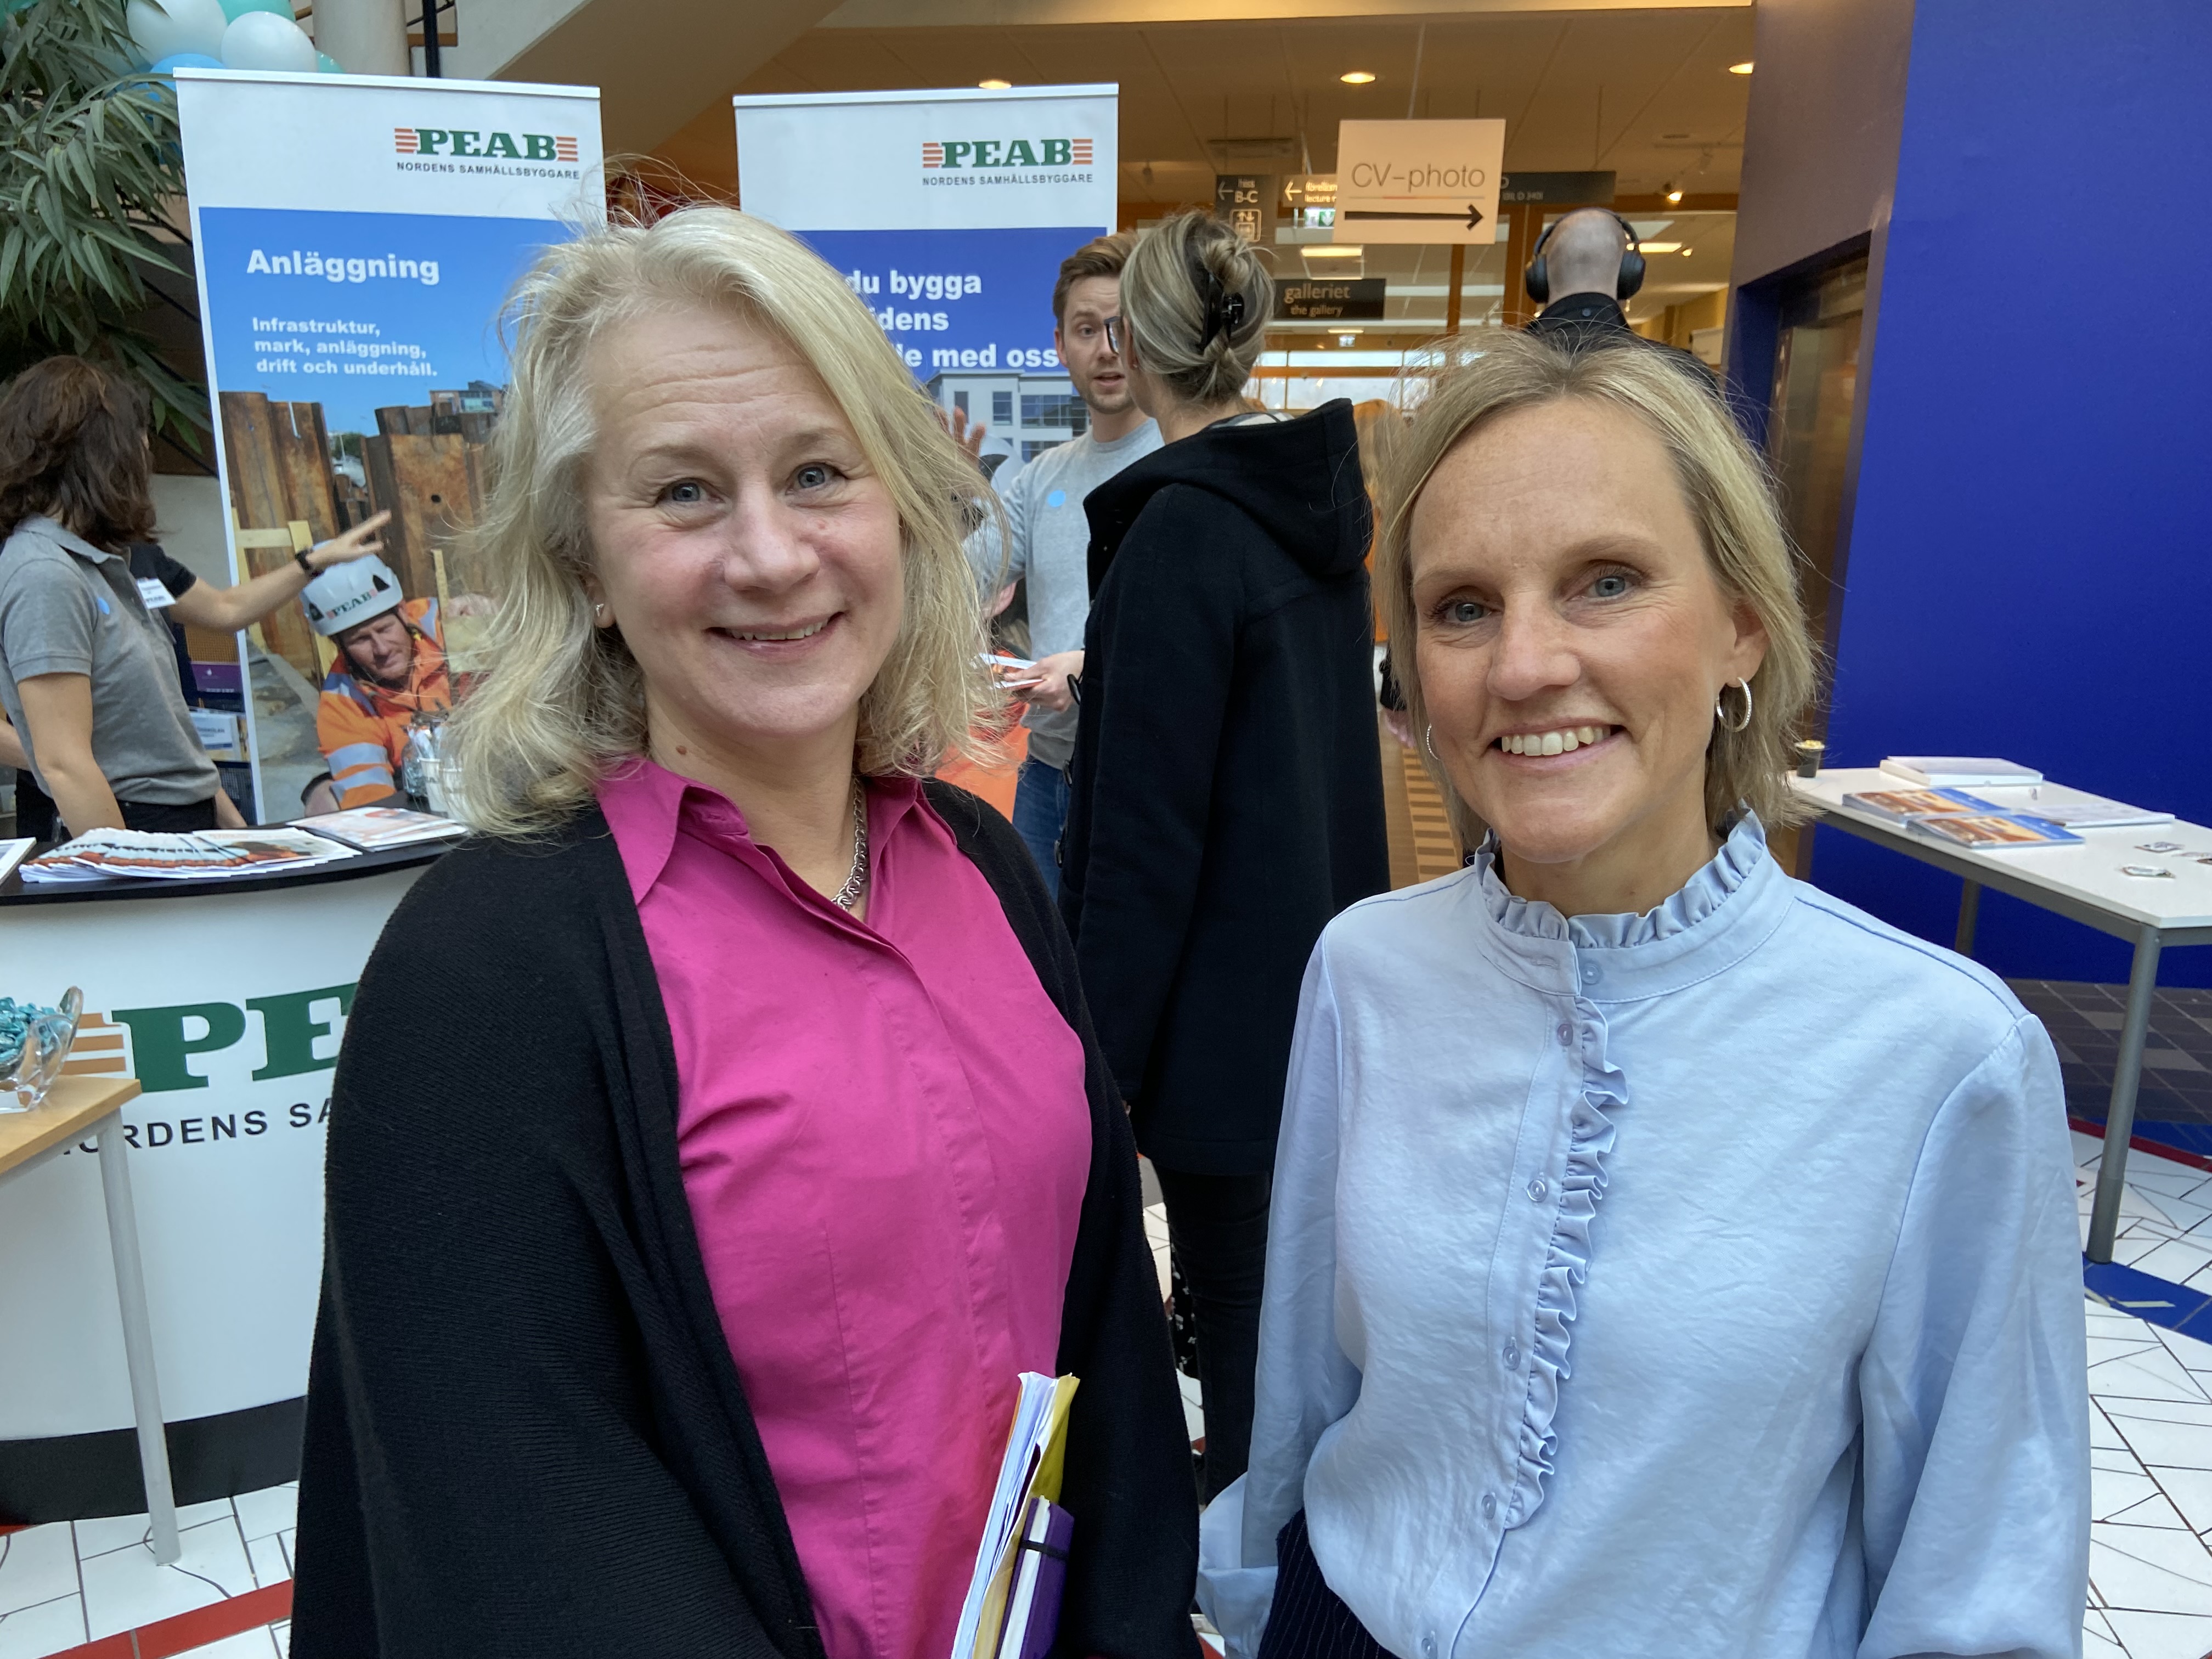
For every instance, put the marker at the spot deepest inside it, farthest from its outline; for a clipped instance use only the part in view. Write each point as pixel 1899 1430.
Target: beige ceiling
pixel 1642 91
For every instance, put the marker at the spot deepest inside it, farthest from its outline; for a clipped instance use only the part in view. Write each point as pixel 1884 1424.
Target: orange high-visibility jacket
pixel 362 726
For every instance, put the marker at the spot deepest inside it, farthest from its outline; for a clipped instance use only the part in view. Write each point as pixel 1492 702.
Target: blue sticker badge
pixel 104 610
pixel 1058 498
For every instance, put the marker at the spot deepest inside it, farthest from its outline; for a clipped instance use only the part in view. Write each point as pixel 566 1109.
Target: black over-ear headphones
pixel 1538 280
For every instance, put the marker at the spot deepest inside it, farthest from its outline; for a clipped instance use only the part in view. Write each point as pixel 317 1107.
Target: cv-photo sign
pixel 356 236
pixel 1417 181
pixel 948 212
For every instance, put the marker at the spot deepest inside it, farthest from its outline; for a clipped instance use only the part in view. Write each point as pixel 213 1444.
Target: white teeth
pixel 794 634
pixel 1564 741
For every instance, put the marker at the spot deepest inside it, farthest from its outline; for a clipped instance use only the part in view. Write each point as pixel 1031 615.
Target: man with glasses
pixel 1047 536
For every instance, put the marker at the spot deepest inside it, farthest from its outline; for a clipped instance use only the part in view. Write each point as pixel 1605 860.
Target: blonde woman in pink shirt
pixel 719 1132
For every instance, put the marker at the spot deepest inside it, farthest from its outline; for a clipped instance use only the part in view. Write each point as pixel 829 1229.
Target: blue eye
pixel 1610 586
pixel 689 493
pixel 813 476
pixel 1465 613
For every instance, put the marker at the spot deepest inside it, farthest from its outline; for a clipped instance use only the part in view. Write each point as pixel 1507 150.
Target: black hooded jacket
pixel 1227 796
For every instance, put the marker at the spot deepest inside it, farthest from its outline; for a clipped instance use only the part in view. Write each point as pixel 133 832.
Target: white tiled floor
pixel 2150 1427
pixel 2165 1219
pixel 71 1583
pixel 2150 1568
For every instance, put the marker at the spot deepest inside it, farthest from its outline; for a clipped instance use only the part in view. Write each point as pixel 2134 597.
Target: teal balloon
pixel 186 60
pixel 328 64
pixel 234 9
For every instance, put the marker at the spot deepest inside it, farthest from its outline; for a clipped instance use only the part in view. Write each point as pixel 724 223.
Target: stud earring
pixel 598 613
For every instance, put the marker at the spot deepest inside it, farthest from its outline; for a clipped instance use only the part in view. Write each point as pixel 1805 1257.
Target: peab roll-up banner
pixel 355 237
pixel 948 212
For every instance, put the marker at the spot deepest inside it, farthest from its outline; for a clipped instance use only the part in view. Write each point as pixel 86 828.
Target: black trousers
pixel 35 816
pixel 1218 1229
pixel 1309 1621
pixel 167 820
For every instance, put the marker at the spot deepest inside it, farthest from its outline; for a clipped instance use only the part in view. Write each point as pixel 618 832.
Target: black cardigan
pixel 1227 791
pixel 526 1435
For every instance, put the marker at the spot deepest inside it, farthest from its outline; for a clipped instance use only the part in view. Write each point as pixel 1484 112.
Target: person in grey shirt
pixel 1047 536
pixel 88 682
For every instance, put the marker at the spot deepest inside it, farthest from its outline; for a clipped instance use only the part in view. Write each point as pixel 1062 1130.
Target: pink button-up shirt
pixel 885 1142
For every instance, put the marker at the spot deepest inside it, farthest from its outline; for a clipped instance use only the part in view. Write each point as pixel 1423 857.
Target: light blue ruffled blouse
pixel 1702 1282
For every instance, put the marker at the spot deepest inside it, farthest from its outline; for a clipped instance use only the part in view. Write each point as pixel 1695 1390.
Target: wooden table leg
pixel 2120 1119
pixel 138 1339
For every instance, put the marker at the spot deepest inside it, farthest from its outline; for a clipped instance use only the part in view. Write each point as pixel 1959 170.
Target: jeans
pixel 1218 1229
pixel 1040 810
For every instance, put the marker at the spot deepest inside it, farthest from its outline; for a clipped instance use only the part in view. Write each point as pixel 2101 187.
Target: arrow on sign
pixel 1473 214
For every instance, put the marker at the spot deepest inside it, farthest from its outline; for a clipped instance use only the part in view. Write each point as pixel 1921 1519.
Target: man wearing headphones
pixel 1592 260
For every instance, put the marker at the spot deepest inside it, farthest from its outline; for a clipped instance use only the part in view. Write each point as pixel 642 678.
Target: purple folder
pixel 1039 1575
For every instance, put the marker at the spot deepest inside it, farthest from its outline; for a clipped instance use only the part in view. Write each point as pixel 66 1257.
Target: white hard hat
pixel 351 593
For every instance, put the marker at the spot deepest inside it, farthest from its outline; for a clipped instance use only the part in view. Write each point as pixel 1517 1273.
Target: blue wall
pixel 2030 571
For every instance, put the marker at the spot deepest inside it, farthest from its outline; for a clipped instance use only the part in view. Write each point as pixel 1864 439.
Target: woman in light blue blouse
pixel 1667 1258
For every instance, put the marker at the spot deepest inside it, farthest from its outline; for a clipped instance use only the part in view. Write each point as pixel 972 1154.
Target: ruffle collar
pixel 1725 911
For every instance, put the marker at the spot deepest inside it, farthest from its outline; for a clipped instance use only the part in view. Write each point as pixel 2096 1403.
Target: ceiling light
pixel 1659 247
pixel 1687 252
pixel 1333 251
pixel 994 85
pixel 1346 339
pixel 1673 192
pixel 1355 77
pixel 1739 69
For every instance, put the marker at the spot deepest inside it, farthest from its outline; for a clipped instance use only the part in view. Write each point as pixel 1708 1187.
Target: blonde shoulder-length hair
pixel 1475 380
pixel 560 703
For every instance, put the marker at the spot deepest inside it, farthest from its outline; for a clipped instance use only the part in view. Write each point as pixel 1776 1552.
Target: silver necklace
pixel 856 883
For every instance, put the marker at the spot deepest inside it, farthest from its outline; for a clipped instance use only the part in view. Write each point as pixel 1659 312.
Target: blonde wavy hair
pixel 1728 492
pixel 562 702
pixel 1165 289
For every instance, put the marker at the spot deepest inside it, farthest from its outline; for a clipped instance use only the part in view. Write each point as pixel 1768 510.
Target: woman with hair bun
pixel 1226 800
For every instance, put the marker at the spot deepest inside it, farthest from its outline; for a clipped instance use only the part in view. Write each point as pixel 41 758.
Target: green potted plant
pixel 92 191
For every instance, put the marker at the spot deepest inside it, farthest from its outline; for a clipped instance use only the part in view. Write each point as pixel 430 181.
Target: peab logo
pixel 156 1045
pixel 1006 153
pixel 468 143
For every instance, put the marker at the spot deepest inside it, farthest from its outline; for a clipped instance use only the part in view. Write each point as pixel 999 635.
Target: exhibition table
pixel 74 1108
pixel 225 1002
pixel 2086 882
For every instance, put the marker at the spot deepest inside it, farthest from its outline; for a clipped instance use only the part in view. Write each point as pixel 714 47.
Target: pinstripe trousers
pixel 1308 1620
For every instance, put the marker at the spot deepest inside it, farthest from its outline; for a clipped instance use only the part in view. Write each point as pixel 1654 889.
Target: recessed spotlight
pixel 1687 252
pixel 994 85
pixel 1355 77
pixel 1673 192
pixel 1739 69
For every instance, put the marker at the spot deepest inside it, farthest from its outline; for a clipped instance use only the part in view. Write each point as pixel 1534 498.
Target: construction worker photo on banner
pixel 388 675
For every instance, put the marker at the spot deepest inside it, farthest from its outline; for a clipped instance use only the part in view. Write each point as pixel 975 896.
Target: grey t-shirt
pixel 68 608
pixel 1049 543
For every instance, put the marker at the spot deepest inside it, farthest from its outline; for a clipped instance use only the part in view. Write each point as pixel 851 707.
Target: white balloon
pixel 162 29
pixel 262 41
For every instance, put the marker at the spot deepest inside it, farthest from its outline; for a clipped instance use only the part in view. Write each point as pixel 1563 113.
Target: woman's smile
pixel 1554 742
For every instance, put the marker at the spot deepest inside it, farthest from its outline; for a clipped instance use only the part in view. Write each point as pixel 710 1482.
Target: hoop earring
pixel 1428 742
pixel 1720 714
